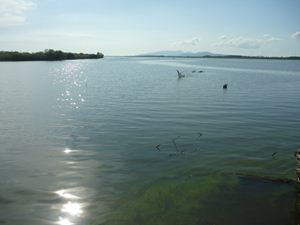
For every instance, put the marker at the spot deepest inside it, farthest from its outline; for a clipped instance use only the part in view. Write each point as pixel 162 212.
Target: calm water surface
pixel 78 141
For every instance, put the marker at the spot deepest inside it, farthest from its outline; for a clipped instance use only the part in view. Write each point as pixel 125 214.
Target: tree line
pixel 47 55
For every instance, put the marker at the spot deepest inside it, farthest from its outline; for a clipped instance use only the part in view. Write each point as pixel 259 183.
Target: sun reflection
pixel 67 151
pixel 71 208
pixel 72 81
pixel 65 194
pixel 64 221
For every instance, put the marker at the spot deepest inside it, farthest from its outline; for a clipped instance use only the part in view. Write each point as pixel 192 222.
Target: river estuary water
pixel 124 141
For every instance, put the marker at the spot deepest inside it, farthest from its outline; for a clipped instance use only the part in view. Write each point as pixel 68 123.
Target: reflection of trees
pixel 48 54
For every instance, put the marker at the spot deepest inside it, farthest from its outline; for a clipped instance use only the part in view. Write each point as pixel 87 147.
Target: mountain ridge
pixel 180 53
pixel 205 54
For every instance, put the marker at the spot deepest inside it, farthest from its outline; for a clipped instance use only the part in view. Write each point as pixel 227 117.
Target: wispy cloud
pixel 223 37
pixel 245 42
pixel 296 35
pixel 12 11
pixel 268 38
pixel 188 42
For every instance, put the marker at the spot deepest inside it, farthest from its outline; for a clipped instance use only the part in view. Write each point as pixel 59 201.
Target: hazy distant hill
pixel 211 55
pixel 180 53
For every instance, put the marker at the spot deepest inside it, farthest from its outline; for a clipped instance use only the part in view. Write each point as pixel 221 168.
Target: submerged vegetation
pixel 195 200
pixel 47 55
pixel 168 202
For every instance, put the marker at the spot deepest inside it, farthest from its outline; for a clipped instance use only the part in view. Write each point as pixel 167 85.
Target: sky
pixel 129 27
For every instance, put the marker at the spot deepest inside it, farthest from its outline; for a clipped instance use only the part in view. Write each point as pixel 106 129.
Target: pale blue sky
pixel 128 27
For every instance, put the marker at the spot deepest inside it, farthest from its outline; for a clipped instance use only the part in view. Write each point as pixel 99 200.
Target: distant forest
pixel 47 55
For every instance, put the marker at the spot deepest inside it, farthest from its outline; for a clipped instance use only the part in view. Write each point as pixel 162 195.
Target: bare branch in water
pixel 173 140
pixel 157 147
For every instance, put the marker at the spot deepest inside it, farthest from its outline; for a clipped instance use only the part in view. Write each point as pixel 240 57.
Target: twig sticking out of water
pixel 157 147
pixel 273 155
pixel 180 74
pixel 173 140
pixel 181 150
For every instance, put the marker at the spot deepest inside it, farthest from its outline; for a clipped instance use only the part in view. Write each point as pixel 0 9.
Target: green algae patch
pixel 169 201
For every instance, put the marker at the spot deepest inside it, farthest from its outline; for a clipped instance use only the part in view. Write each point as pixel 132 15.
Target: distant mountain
pixel 212 55
pixel 180 53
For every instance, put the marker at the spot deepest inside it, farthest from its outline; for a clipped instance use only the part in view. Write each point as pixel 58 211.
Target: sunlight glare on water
pixel 72 208
pixel 64 221
pixel 73 83
pixel 67 151
pixel 65 194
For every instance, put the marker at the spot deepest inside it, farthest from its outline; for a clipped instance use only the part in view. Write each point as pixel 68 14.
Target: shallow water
pixel 78 141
